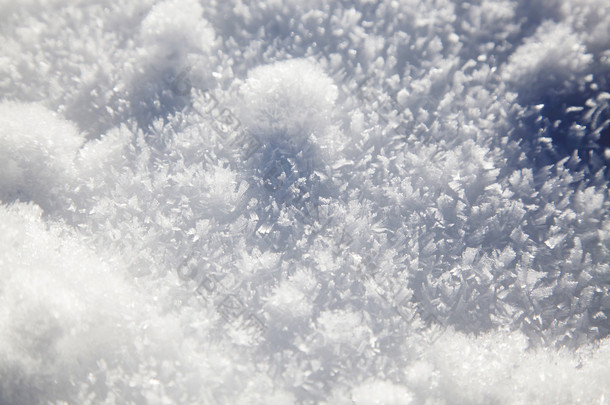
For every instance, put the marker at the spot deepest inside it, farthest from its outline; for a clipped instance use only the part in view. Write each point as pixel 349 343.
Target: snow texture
pixel 286 202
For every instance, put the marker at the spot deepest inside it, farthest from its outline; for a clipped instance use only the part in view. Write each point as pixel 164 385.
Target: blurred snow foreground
pixel 394 202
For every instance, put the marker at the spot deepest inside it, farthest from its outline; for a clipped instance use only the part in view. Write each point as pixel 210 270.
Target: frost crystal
pixel 394 202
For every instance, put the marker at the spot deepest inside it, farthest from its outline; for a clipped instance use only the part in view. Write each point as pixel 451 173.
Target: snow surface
pixel 281 202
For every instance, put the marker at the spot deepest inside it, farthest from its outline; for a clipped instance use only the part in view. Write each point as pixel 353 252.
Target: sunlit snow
pixel 320 202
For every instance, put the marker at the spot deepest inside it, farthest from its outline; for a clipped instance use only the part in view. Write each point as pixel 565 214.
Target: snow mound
pixel 61 307
pixel 37 153
pixel 177 26
pixel 288 101
pixel 554 53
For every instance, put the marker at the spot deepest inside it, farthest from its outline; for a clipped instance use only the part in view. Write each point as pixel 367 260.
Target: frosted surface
pixel 288 202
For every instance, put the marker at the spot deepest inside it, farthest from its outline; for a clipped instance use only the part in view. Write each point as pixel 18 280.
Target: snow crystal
pixel 278 202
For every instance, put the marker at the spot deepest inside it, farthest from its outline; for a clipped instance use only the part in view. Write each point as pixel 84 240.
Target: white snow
pixel 37 153
pixel 381 202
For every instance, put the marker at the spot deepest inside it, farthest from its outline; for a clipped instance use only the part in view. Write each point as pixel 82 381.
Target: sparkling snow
pixel 286 202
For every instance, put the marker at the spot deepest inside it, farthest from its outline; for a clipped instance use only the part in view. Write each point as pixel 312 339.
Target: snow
pixel 37 152
pixel 553 46
pixel 393 202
